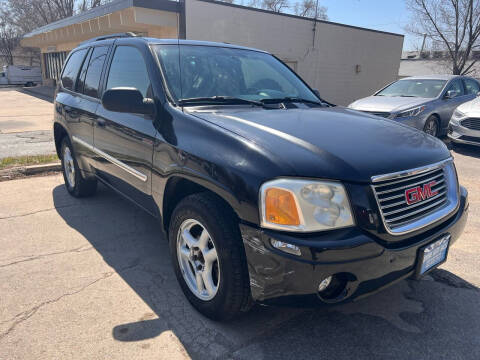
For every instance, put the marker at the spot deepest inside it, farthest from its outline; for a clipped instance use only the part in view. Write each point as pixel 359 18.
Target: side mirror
pixel 127 100
pixel 316 92
pixel 450 94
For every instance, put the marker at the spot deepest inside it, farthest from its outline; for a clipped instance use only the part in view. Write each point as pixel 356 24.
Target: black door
pixel 124 141
pixel 72 105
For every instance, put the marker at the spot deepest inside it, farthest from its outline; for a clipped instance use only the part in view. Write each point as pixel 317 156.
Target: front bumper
pixel 462 135
pixel 365 265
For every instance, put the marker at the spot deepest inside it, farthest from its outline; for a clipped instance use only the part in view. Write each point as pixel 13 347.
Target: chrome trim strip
pixel 402 180
pixel 416 211
pixel 393 197
pixel 111 159
pixel 436 197
pixel 403 187
pixel 410 172
pixel 440 192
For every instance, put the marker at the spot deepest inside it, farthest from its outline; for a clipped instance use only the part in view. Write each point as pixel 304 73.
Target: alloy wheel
pixel 198 259
pixel 431 127
pixel 69 166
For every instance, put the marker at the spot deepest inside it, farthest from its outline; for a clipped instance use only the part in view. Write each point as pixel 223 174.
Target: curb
pixel 19 171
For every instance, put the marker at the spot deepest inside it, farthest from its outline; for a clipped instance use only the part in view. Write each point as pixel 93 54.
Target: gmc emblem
pixel 418 193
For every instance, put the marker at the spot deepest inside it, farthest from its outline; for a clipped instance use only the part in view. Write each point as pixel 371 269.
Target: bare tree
pixel 88 4
pixel 311 9
pixel 9 40
pixel 453 25
pixel 275 5
pixel 18 17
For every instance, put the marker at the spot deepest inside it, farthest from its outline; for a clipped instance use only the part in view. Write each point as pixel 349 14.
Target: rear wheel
pixel 74 181
pixel 208 257
pixel 431 126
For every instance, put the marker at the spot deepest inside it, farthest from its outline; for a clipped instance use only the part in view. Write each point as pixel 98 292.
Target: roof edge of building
pixel 299 17
pixel 166 5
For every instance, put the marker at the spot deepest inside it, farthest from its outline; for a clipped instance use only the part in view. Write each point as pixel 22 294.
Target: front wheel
pixel 431 126
pixel 208 257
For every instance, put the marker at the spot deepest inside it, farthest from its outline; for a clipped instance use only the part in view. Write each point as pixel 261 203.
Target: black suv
pixel 265 191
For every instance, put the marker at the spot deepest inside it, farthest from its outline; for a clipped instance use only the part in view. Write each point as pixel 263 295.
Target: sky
pixel 385 15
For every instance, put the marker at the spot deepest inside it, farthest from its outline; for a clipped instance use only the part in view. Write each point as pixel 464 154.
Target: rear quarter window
pixel 72 68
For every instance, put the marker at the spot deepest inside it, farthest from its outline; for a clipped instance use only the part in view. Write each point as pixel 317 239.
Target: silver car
pixel 424 102
pixel 465 123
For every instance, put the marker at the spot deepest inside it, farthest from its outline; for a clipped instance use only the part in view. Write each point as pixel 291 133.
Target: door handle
pixel 101 123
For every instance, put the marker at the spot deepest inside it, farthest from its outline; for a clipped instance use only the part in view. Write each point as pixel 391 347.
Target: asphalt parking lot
pixel 92 279
pixel 25 122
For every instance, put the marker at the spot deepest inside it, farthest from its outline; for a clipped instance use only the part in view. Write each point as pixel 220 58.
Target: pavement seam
pixel 41 256
pixel 27 314
pixel 36 212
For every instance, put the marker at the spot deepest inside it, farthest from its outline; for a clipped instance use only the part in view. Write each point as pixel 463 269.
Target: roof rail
pixel 110 36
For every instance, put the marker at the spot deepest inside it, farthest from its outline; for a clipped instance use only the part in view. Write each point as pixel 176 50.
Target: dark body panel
pixel 333 143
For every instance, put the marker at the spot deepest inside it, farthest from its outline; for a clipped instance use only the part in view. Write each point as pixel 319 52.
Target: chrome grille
pixel 378 113
pixel 471 123
pixel 391 198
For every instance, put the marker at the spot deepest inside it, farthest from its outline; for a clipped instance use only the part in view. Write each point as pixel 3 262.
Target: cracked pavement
pixel 92 279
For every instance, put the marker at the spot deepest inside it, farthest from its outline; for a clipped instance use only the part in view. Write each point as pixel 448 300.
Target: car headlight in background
pixel 457 116
pixel 412 112
pixel 304 205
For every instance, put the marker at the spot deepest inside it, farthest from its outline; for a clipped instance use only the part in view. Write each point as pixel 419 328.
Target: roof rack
pixel 110 36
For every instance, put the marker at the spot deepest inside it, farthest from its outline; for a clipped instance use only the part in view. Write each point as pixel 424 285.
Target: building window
pixel 53 64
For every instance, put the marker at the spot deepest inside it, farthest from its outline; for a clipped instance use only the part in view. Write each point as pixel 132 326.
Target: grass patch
pixel 9 162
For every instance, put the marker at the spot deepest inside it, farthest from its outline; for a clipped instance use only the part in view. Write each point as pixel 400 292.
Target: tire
pixel 431 126
pixel 205 212
pixel 74 182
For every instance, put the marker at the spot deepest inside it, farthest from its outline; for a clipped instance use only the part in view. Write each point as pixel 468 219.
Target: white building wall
pixel 329 66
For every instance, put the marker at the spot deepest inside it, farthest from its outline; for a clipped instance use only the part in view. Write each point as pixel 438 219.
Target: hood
pixel 332 143
pixel 387 103
pixel 471 108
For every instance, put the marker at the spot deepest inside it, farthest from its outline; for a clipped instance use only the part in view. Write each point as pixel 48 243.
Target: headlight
pixel 303 205
pixel 457 114
pixel 412 112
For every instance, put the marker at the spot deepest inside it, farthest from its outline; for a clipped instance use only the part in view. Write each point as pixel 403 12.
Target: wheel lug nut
pixel 199 267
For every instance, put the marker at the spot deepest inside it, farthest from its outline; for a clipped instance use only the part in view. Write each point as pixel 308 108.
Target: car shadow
pixel 412 319
pixel 40 92
pixel 464 149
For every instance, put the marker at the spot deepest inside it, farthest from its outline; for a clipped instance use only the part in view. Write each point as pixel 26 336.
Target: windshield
pixel 414 88
pixel 209 72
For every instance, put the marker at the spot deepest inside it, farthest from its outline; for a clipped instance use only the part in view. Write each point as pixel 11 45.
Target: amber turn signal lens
pixel 280 207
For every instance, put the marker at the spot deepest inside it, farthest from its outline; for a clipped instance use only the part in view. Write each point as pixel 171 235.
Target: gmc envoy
pixel 264 191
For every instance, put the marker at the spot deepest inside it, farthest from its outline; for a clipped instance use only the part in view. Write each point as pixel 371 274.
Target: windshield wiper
pixel 224 100
pixel 407 96
pixel 290 99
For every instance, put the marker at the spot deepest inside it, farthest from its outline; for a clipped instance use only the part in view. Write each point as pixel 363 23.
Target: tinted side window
pixel 70 72
pixel 128 69
pixel 83 72
pixel 471 86
pixel 457 87
pixel 92 80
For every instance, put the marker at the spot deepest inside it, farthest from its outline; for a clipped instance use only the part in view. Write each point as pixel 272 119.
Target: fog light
pixel 286 247
pixel 324 283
